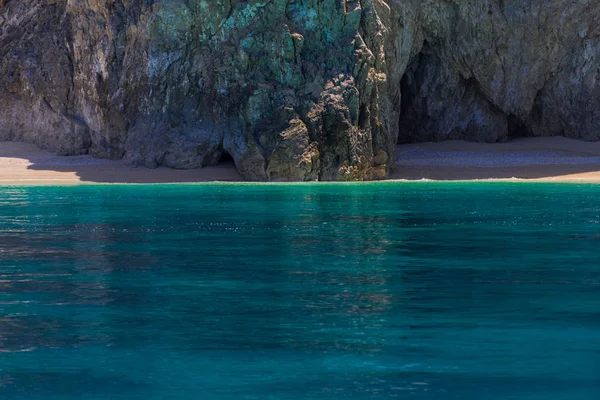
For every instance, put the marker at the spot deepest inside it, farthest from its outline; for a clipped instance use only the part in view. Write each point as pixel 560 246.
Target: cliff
pixel 293 89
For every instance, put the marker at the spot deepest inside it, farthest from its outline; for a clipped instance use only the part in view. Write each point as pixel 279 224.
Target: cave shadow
pixel 26 163
pixel 461 162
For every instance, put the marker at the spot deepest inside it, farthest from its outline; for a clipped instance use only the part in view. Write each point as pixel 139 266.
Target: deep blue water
pixel 412 290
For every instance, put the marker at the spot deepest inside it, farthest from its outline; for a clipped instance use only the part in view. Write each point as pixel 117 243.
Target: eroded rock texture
pixel 490 69
pixel 293 89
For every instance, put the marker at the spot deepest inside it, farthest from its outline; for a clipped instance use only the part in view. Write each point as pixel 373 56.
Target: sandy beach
pixel 532 159
pixel 552 159
pixel 25 164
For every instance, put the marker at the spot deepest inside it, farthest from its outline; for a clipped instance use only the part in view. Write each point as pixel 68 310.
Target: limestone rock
pixel 294 157
pixel 293 90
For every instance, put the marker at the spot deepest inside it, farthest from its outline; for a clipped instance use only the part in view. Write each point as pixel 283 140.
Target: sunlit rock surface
pixel 291 89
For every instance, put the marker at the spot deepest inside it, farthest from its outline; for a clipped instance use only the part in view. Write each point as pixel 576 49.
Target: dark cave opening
pixel 466 112
pixel 409 90
pixel 406 84
pixel 517 129
pixel 226 159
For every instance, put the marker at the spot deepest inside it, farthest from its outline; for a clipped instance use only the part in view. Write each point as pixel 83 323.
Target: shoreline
pixel 550 159
pixel 528 160
pixel 23 164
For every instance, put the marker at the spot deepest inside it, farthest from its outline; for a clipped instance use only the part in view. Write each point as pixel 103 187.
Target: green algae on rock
pixel 293 90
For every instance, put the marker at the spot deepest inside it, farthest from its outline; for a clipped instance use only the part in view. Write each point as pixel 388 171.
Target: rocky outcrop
pixel 291 89
pixel 487 70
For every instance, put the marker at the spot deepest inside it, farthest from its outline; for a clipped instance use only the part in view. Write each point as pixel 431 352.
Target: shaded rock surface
pixel 293 89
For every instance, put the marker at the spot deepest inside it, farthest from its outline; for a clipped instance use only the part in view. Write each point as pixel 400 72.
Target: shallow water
pixel 407 290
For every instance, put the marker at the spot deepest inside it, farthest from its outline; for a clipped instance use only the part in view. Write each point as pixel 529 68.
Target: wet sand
pixel 532 159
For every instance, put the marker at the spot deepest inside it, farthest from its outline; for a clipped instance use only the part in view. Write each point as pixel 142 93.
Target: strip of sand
pixel 551 159
pixel 25 164
pixel 532 159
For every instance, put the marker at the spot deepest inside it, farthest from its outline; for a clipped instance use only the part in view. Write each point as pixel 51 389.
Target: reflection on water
pixel 226 292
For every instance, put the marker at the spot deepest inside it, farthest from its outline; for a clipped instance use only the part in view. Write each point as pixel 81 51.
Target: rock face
pixel 487 70
pixel 293 89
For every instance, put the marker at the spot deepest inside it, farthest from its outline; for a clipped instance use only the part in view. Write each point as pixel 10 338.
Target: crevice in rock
pixel 409 90
pixel 517 128
pixel 225 159
pixel 537 112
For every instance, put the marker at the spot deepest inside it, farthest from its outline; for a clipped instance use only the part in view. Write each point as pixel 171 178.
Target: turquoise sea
pixel 323 291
